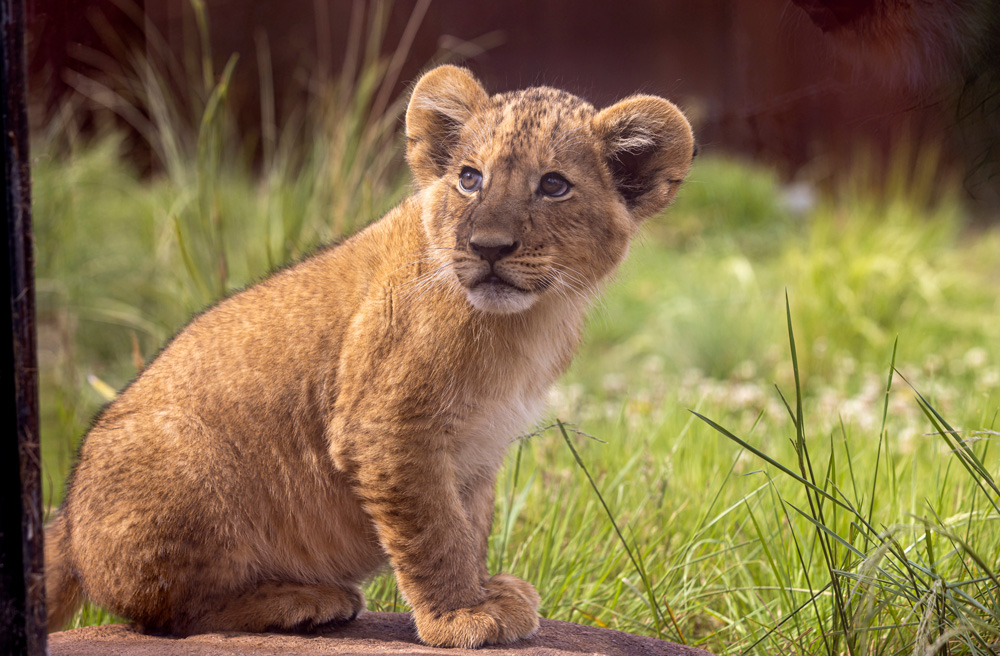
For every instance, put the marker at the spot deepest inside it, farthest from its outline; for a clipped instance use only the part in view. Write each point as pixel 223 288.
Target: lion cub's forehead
pixel 537 124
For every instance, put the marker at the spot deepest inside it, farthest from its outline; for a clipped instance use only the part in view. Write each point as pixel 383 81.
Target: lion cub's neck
pixel 502 390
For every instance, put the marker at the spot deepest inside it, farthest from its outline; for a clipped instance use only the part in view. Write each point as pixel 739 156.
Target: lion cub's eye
pixel 554 185
pixel 470 179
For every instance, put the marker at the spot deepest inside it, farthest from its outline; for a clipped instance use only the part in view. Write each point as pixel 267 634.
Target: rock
pixel 371 633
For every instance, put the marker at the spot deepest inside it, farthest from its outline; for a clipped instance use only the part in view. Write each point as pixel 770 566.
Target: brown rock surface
pixel 371 633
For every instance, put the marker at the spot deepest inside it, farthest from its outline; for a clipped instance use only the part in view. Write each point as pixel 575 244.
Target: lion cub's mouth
pixel 493 278
pixel 496 294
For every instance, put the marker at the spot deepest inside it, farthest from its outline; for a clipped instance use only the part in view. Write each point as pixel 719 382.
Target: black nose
pixel 493 250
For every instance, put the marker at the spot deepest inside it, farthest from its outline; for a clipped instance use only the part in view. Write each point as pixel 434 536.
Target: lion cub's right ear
pixel 442 102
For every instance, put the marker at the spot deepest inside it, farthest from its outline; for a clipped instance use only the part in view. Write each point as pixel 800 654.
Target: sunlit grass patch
pixel 884 585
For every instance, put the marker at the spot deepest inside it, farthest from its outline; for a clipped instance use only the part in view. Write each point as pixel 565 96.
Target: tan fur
pixel 356 407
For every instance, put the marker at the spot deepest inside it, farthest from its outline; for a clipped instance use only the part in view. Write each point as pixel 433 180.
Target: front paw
pixel 508 612
pixel 505 584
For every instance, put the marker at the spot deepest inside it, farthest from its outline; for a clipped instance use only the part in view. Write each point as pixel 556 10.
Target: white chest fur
pixel 513 389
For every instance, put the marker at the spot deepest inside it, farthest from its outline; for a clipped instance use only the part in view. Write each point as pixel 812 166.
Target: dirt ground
pixel 371 633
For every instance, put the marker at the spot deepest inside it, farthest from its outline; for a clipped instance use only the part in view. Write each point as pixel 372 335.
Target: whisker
pixel 571 281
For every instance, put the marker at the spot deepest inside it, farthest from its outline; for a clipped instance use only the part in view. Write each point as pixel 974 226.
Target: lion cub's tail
pixel 63 593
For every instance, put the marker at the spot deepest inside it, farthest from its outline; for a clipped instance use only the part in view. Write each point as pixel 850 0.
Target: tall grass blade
pixel 621 538
pixel 959 448
pixel 771 461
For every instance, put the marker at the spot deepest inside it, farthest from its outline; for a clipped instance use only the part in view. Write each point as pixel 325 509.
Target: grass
pixel 736 459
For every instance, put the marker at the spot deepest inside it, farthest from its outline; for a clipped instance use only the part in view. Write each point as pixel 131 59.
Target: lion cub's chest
pixel 481 439
pixel 509 394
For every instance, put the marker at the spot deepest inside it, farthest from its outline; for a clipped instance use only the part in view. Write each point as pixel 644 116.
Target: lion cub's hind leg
pixel 280 606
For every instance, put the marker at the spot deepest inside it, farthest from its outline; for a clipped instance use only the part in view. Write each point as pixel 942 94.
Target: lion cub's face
pixel 535 192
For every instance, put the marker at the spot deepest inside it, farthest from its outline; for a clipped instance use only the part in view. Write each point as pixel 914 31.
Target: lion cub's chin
pixel 500 298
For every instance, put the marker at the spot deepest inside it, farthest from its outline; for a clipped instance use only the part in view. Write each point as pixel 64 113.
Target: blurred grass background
pixel 881 538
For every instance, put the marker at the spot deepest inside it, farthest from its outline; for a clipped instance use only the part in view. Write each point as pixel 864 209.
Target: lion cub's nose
pixel 493 247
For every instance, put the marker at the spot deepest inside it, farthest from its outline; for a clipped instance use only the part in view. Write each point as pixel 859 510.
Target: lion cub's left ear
pixel 648 147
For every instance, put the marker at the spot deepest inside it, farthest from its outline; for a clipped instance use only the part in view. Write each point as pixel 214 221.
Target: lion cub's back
pixel 217 451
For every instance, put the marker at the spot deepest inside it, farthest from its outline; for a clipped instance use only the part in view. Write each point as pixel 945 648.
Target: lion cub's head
pixel 535 192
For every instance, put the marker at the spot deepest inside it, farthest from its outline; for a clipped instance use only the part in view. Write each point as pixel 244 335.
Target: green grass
pixel 763 479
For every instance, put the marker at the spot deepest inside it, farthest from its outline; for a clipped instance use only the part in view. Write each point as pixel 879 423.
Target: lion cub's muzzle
pixel 491 249
pixel 495 273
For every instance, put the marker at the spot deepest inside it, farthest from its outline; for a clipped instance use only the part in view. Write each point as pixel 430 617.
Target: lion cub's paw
pixel 509 612
pixel 325 609
pixel 505 584
pixel 281 606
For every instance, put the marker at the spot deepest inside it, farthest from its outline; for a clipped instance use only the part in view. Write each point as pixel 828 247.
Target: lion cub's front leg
pixel 436 541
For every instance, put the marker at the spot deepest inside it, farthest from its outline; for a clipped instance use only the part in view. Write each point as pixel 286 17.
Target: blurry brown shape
pixel 834 14
pixel 944 55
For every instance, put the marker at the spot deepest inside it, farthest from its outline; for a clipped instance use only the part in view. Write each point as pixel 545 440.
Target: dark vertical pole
pixel 22 588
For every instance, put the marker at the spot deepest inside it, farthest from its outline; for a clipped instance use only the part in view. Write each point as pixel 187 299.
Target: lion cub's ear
pixel 648 146
pixel 443 100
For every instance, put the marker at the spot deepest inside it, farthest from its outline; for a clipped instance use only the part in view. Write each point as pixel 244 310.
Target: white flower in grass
pixel 975 357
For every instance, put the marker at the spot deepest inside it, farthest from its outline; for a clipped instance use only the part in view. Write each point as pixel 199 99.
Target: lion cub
pixel 356 407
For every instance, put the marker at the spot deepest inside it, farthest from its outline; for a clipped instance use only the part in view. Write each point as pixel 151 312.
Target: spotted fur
pixel 355 408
